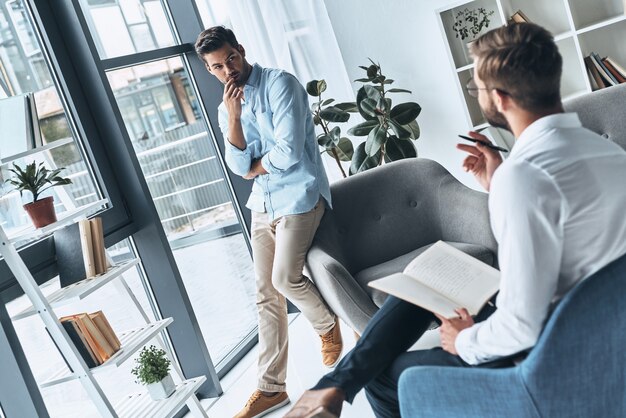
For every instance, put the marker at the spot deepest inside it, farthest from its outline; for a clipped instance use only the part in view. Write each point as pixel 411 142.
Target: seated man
pixel 554 211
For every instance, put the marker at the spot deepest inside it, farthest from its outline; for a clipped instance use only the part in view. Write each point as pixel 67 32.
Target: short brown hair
pixel 522 60
pixel 213 39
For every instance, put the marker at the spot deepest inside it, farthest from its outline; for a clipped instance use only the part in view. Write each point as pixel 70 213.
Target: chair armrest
pixel 449 392
pixel 340 290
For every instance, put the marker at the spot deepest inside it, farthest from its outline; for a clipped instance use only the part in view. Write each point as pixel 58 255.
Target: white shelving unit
pixel 134 405
pixel 580 27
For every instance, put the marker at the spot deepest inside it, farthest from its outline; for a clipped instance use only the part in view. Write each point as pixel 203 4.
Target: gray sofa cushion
pixel 398 264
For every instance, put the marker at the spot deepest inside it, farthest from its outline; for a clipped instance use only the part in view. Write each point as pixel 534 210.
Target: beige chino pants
pixel 279 249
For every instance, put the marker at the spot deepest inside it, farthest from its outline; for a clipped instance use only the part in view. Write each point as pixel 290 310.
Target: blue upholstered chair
pixel 577 368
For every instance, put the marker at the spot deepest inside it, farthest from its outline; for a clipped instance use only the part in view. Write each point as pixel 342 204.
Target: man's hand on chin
pixel 256 169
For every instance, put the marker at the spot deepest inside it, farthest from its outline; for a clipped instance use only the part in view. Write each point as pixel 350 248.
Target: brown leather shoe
pixel 332 345
pixel 321 403
pixel 259 404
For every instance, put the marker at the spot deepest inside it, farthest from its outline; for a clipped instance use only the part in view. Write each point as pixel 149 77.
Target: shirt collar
pixel 255 76
pixel 536 130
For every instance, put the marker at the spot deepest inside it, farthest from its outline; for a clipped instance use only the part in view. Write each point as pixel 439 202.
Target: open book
pixel 442 279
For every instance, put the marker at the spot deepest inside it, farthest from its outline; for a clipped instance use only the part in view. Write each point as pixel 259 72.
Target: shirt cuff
pixel 268 166
pixel 463 344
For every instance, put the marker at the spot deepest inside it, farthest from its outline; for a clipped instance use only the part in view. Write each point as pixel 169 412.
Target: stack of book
pixel 93 337
pixel 80 251
pixel 604 72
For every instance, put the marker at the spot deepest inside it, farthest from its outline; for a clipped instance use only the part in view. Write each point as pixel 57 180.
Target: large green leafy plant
pixel 390 129
pixel 325 112
pixel 152 365
pixel 36 179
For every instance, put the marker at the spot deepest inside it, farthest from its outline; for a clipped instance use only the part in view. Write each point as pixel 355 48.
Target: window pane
pixel 23 69
pixel 127 26
pixel 187 184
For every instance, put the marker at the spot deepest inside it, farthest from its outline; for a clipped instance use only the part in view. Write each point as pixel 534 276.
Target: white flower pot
pixel 162 389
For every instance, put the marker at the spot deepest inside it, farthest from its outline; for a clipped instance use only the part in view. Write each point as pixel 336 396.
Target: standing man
pixel 556 218
pixel 270 139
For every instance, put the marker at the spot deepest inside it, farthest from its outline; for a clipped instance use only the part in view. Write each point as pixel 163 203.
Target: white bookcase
pixel 133 405
pixel 579 27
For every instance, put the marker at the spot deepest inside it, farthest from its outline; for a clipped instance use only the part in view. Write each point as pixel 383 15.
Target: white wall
pixel 405 38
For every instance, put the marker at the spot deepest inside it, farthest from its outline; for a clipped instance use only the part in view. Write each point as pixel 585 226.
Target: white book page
pixel 406 288
pixel 458 276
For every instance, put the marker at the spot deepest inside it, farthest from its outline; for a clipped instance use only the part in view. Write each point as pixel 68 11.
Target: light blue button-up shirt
pixel 278 128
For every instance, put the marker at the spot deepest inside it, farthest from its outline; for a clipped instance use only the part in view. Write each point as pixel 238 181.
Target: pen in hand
pixel 487 144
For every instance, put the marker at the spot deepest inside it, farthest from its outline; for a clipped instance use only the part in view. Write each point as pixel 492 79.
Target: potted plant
pixel 36 179
pixel 324 112
pixel 152 370
pixel 390 130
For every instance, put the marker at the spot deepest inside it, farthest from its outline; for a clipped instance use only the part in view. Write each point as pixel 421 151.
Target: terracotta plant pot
pixel 41 212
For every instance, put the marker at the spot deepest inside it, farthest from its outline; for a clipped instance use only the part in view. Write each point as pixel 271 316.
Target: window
pixel 189 190
pixel 125 27
pixel 24 69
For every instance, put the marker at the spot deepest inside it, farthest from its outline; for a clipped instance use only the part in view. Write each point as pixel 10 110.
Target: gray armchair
pixel 381 220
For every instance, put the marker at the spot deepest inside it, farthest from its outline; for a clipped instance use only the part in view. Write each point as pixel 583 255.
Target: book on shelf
pixel 103 325
pixel 86 243
pixel 518 17
pixel 604 72
pixel 94 338
pixel 77 249
pixel 596 78
pixel 97 243
pixel 615 69
pixel 79 342
pixel 442 279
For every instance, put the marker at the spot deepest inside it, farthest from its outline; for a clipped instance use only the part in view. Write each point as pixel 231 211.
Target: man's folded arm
pixel 288 99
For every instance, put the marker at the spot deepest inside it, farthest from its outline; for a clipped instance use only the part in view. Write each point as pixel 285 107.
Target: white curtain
pixel 294 35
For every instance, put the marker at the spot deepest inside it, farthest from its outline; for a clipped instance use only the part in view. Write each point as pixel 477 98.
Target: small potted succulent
pixel 36 179
pixel 152 370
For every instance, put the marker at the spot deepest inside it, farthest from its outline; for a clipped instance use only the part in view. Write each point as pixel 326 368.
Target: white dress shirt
pixel 557 208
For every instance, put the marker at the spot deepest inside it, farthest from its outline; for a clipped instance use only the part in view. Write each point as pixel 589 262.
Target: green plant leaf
pixel 397 149
pixel 364 93
pixel 315 87
pixel 361 162
pixel 363 80
pixel 347 107
pixel 344 149
pixel 388 81
pixel 324 140
pixel 368 106
pixel 414 128
pixel 335 135
pixel 327 102
pixel 394 90
pixel 363 128
pixel 333 114
pixel 375 140
pixel 404 113
pixel 400 131
pixel 372 70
